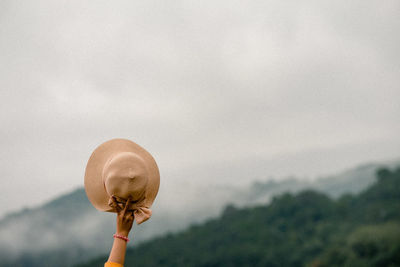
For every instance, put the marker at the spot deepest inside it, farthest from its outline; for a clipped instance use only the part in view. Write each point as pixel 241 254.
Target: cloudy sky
pixel 212 89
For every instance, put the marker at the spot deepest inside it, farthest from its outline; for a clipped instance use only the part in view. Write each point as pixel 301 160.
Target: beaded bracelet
pixel 121 237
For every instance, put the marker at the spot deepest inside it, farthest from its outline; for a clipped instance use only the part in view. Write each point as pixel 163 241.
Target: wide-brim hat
pixel 123 169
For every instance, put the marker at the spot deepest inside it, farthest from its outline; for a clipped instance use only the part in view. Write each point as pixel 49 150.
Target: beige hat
pixel 123 169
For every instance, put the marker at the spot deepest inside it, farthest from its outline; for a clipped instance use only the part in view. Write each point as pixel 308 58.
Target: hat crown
pixel 126 175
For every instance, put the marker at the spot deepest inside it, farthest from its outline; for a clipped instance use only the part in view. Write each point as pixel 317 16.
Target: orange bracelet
pixel 121 237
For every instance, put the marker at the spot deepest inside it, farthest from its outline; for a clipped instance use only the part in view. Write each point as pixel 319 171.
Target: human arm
pixel 124 225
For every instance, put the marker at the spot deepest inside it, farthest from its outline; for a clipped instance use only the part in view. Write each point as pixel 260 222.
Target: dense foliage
pixel 306 229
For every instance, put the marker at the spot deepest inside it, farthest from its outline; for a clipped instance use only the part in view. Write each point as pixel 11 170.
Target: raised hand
pixel 124 217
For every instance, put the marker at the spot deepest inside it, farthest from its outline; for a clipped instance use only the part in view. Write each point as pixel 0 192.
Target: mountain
pixel 68 229
pixel 349 181
pixel 304 229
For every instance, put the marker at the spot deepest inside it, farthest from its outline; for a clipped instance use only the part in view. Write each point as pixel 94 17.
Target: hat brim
pixel 94 185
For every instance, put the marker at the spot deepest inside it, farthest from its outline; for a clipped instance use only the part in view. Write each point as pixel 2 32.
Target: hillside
pixel 69 228
pixel 304 229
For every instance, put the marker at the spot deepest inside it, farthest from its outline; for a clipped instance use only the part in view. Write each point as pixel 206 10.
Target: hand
pixel 124 217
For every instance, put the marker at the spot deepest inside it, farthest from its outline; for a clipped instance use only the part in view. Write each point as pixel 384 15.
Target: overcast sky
pixel 285 87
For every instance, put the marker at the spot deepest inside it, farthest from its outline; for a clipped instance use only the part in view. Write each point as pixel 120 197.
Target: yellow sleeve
pixel 112 264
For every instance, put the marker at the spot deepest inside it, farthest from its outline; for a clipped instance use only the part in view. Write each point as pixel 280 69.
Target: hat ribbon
pixel 140 212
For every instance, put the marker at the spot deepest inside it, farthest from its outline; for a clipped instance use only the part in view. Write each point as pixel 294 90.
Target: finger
pixel 115 204
pixel 130 217
pixel 127 204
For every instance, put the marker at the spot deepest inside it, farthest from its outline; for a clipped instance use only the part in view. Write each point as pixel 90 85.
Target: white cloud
pixel 194 83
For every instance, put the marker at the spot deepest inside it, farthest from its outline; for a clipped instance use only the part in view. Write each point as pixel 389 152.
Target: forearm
pixel 124 225
pixel 118 251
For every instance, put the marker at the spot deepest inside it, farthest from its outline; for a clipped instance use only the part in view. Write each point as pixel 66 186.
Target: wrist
pixel 122 232
pixel 125 238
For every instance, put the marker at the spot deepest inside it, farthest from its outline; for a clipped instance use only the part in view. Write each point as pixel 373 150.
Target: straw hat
pixel 123 169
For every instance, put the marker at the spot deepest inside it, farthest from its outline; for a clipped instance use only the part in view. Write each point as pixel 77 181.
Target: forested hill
pixel 305 229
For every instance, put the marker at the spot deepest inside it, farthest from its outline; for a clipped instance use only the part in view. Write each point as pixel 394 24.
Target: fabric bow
pixel 140 212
